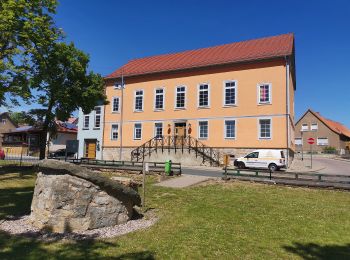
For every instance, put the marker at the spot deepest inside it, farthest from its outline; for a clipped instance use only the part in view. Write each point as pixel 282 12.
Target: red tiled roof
pixel 333 125
pixel 257 49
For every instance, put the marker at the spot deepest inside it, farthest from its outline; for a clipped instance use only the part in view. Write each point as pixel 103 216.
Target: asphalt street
pixel 329 166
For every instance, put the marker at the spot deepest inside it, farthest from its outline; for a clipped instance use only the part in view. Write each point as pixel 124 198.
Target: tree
pixel 60 77
pixel 23 24
pixel 22 118
pixel 38 61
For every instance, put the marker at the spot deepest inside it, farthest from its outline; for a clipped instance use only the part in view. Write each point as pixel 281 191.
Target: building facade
pixel 232 98
pixel 327 133
pixel 90 133
pixel 6 124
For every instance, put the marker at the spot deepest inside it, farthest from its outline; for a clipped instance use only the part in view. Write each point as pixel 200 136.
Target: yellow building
pixel 193 105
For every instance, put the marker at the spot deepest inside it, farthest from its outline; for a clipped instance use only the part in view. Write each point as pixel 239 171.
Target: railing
pixel 294 176
pixel 123 165
pixel 177 144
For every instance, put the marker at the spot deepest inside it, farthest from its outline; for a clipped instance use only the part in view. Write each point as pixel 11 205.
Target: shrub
pixel 329 149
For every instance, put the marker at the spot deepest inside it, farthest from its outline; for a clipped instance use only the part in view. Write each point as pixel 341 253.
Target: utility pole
pixel 302 144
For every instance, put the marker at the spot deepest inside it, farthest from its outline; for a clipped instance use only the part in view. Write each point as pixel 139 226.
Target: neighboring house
pixel 26 140
pixel 90 133
pixel 326 132
pixel 6 124
pixel 231 99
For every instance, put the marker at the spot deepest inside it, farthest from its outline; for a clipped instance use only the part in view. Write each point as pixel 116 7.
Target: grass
pixel 216 221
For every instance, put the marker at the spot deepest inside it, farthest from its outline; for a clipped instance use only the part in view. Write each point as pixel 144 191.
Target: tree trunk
pixel 43 135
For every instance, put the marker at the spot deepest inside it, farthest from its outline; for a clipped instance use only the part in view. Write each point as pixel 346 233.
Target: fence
pixel 296 177
pixel 19 155
pixel 124 165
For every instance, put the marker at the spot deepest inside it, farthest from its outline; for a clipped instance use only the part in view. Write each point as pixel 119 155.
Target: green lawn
pixel 217 221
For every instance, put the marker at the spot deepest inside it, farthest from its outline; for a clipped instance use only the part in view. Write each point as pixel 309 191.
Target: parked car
pixel 2 154
pixel 264 159
pixel 61 153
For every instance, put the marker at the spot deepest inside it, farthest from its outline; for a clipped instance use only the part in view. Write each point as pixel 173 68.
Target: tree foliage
pixel 40 67
pixel 23 24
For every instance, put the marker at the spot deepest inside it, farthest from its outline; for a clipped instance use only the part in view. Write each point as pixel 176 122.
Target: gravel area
pixel 21 227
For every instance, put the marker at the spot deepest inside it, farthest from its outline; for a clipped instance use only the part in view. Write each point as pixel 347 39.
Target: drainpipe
pixel 287 107
pixel 121 119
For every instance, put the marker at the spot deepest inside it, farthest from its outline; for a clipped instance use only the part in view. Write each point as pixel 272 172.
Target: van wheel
pixel 241 165
pixel 273 167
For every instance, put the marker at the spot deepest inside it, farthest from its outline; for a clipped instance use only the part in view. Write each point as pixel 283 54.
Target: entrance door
pixel 90 149
pixel 180 129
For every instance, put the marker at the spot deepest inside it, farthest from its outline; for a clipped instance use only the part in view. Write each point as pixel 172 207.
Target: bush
pixel 329 149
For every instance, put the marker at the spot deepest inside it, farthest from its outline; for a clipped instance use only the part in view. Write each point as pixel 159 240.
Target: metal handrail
pixel 177 143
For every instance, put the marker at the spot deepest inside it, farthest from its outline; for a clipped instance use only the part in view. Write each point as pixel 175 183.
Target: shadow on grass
pixel 18 247
pixel 15 201
pixel 314 251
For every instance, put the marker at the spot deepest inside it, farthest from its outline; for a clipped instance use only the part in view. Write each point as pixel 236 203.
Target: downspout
pixel 287 107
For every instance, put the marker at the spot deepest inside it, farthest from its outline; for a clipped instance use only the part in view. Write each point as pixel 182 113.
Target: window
pixel 298 141
pixel 252 155
pixel 115 132
pixel 203 95
pixel 230 93
pixel 322 141
pixel 139 100
pixel 180 97
pixel 314 126
pixel 115 104
pixel 304 127
pixel 97 117
pixel 158 130
pixel 230 129
pixel 3 121
pixel 203 129
pixel 264 128
pixel 137 131
pixel 86 122
pixel 264 94
pixel 159 99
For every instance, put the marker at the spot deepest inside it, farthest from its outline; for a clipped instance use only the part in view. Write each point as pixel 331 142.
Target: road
pixel 330 166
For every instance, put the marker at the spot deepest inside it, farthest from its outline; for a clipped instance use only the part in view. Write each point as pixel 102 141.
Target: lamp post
pixel 117 84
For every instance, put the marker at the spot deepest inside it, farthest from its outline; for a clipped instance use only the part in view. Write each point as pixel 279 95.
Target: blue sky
pixel 113 32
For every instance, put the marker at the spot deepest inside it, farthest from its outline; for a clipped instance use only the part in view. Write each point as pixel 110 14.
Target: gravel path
pixel 21 227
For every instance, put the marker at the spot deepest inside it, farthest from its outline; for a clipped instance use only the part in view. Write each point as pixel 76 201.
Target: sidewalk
pixel 303 166
pixel 183 181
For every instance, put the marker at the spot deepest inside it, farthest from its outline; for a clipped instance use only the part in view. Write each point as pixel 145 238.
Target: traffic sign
pixel 310 140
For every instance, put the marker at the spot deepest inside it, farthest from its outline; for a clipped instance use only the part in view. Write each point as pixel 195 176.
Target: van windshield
pixel 282 154
pixel 253 155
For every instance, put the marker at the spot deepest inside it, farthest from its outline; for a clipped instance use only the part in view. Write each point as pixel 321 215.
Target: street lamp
pixel 121 86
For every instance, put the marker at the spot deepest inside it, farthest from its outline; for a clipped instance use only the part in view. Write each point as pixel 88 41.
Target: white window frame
pixel 299 139
pixel 135 131
pixel 259 128
pixel 304 129
pixel 114 139
pixel 198 94
pixel 84 121
pixel 95 116
pixel 314 128
pixel 270 94
pixel 225 132
pixel 198 130
pixel 224 93
pixel 143 100
pixel 155 128
pixel 185 101
pixel 155 99
pixel 321 144
pixel 112 106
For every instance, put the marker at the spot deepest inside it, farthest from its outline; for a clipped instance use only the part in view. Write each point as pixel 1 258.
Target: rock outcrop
pixel 68 197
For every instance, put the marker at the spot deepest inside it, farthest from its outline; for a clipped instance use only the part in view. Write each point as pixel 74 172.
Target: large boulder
pixel 68 197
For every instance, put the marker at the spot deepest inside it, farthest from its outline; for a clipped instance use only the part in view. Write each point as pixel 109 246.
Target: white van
pixel 264 159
